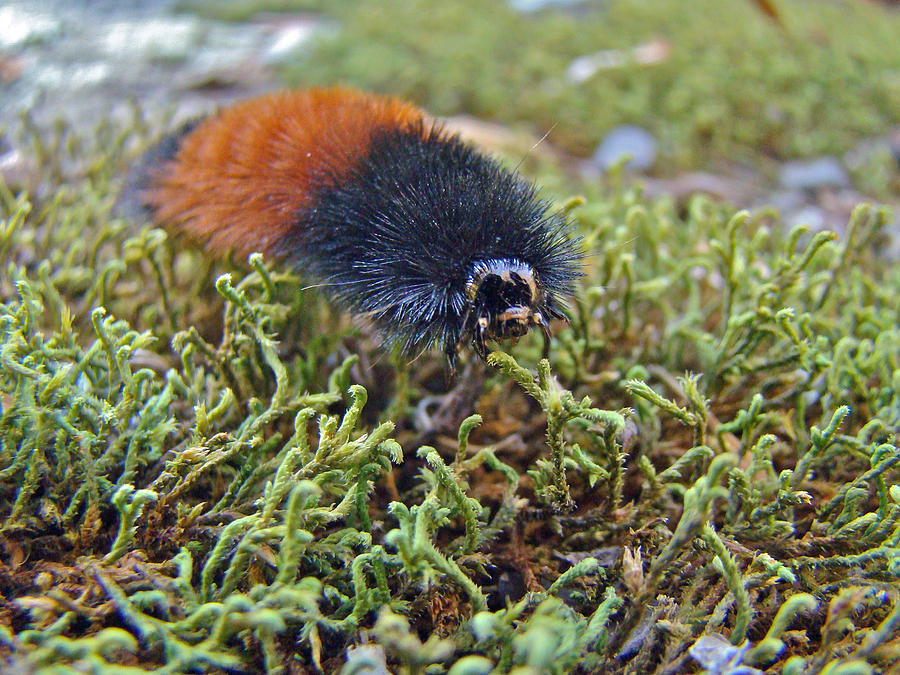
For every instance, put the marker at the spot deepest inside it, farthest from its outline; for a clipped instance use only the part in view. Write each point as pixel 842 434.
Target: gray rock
pixel 627 140
pixel 812 216
pixel 813 174
pixel 719 657
pixel 783 200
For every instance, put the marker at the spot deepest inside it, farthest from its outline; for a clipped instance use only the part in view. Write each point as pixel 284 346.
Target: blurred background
pixel 793 103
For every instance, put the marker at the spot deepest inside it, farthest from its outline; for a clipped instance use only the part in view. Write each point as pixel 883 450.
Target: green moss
pixel 203 469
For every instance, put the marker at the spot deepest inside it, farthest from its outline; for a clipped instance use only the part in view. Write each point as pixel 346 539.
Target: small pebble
pixel 810 215
pixel 289 40
pixel 718 656
pixel 16 169
pixel 813 174
pixel 627 140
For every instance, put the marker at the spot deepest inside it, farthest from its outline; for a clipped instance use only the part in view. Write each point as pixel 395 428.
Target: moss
pixel 202 469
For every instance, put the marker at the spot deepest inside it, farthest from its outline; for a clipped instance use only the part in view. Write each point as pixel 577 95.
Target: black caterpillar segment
pixel 434 242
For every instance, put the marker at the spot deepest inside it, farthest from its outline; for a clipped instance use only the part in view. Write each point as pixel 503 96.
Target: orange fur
pixel 240 176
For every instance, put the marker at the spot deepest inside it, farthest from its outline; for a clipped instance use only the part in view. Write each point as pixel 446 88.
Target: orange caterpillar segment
pixel 240 177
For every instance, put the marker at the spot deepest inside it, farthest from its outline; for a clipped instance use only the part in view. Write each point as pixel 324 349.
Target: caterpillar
pixel 400 221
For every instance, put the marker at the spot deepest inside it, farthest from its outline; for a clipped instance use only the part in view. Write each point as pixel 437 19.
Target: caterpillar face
pixel 505 301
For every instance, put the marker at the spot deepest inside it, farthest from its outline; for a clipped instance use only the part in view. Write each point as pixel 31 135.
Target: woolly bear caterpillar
pixel 401 222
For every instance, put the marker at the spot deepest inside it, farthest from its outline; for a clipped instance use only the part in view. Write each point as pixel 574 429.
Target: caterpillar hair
pixel 400 221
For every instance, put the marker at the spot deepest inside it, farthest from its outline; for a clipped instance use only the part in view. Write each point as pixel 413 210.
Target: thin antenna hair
pixel 534 147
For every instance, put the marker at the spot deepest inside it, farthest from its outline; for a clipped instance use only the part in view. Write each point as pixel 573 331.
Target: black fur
pixel 399 239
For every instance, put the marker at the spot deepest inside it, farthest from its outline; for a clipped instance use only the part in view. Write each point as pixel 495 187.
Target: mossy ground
pixel 203 469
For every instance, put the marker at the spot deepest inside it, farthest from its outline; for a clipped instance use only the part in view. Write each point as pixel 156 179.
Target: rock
pixel 813 217
pixel 719 657
pixel 813 174
pixel 784 201
pixel 23 26
pixel 626 140
pixel 71 78
pixel 16 168
pixel 290 39
pixel 734 189
pixel 171 39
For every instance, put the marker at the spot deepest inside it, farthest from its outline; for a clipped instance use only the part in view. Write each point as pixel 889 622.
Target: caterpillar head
pixel 505 299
